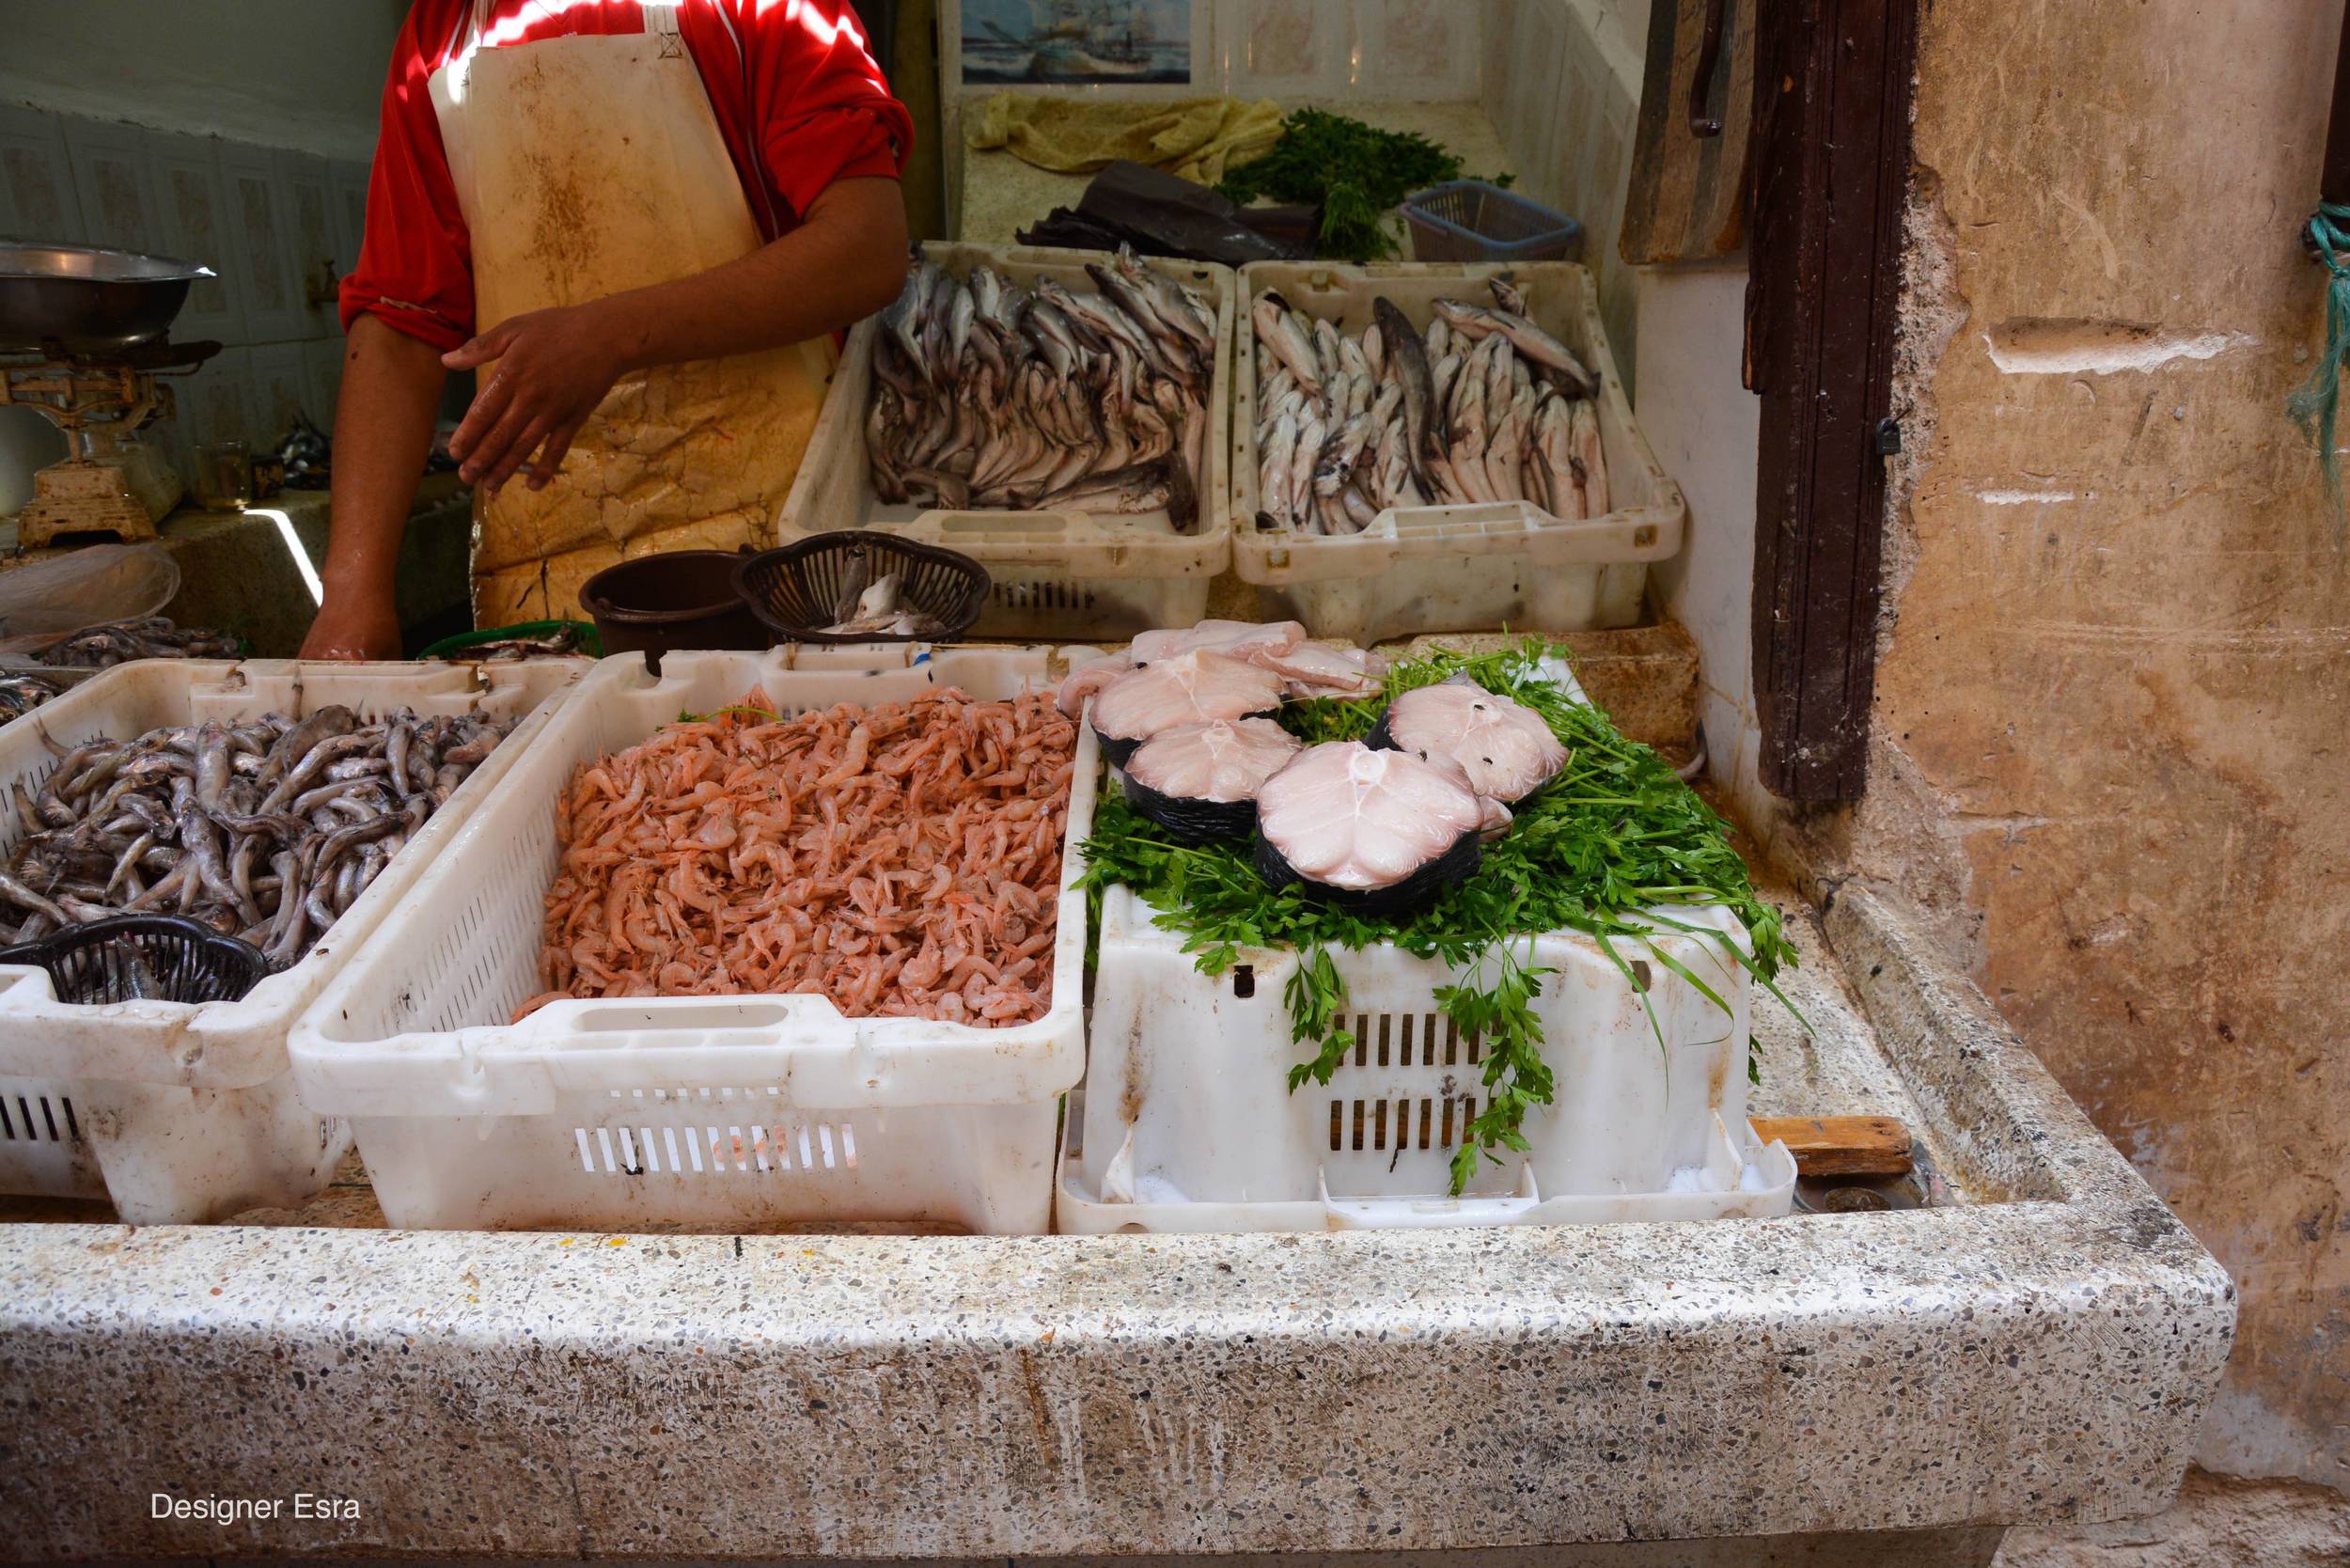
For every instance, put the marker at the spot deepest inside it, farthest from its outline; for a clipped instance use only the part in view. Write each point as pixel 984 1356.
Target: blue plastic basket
pixel 1468 220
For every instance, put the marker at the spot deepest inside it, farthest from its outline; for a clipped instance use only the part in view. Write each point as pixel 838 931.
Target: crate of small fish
pixel 25 687
pixel 285 805
pixel 1060 417
pixel 1439 447
pixel 765 940
pixel 1422 946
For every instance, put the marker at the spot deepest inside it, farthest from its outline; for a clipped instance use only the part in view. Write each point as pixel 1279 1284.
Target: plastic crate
pixel 183 1113
pixel 660 1113
pixel 1456 567
pixel 1187 1125
pixel 1468 220
pixel 1057 575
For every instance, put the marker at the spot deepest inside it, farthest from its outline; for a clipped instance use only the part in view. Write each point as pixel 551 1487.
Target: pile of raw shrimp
pixel 901 860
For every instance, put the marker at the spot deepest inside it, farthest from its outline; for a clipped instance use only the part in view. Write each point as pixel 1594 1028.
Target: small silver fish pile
pixel 266 830
pixel 562 641
pixel 23 690
pixel 879 608
pixel 1484 406
pixel 117 642
pixel 993 396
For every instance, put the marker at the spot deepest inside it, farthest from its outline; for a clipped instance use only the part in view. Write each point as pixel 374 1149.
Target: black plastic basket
pixel 794 591
pixel 125 958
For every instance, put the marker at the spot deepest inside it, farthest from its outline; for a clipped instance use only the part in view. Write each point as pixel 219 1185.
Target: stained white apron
pixel 587 165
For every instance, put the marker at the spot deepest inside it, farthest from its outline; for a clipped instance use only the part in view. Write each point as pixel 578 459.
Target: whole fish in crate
pixel 992 396
pixel 266 830
pixel 155 636
pixel 1483 405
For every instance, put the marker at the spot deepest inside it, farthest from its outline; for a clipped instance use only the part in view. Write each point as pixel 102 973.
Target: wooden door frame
pixel 1834 87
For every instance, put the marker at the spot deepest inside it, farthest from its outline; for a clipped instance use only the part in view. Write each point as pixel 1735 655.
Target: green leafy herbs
pixel 1356 171
pixel 1597 851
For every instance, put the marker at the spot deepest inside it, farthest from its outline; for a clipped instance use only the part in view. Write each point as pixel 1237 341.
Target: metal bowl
pixel 90 299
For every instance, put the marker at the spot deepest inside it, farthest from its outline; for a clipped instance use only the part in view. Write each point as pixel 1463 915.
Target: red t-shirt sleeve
pixel 817 110
pixel 823 108
pixel 416 262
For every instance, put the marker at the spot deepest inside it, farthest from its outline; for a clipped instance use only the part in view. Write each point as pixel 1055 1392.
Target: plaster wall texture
pixel 2216 1523
pixel 2116 648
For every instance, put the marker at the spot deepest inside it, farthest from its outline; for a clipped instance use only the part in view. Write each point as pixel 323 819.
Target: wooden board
pixel 1686 199
pixel 1831 169
pixel 1840 1145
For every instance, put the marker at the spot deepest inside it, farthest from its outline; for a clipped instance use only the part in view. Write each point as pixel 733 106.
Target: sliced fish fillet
pixel 1504 747
pixel 1189 688
pixel 1226 760
pixel 1239 638
pixel 1351 818
pixel 1317 669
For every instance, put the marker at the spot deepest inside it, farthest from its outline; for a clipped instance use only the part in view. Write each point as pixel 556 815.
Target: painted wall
pixel 1704 426
pixel 290 74
pixel 237 134
pixel 2115 668
pixel 1561 80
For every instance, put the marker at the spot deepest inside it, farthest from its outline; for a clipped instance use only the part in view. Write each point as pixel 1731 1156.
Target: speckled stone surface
pixel 2042 1358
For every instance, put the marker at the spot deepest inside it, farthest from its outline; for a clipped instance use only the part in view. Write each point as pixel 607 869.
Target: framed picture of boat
pixel 1094 44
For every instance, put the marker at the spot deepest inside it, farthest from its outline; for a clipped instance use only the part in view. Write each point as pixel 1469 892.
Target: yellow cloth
pixel 1196 138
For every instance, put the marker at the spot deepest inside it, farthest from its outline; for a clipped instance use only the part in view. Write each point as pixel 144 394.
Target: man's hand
pixel 553 367
pixel 354 626
pixel 845 260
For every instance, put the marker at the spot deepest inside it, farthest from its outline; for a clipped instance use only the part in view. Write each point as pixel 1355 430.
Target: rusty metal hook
pixel 1701 124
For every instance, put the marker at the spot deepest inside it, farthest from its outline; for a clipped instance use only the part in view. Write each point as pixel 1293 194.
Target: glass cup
pixel 224 475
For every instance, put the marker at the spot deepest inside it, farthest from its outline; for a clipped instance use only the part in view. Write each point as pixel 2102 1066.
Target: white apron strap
pixel 660 23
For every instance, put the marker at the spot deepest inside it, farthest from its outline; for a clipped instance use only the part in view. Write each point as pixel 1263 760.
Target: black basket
pixel 125 958
pixel 796 590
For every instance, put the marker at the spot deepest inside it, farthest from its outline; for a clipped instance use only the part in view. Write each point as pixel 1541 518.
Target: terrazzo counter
pixel 2042 1351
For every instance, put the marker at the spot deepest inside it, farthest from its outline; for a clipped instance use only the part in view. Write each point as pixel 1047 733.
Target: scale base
pixel 121 494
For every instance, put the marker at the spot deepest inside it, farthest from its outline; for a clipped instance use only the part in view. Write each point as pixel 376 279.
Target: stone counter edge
pixel 2042 1360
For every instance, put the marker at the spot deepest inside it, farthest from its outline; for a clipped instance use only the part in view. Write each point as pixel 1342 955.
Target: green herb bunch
pixel 1356 171
pixel 1596 851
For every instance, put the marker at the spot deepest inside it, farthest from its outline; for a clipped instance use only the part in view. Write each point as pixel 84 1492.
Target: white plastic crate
pixel 1454 568
pixel 184 1113
pixel 683 1111
pixel 1057 575
pixel 1187 1122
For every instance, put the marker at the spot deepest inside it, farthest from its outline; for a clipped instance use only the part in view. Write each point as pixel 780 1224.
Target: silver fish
pixel 1277 329
pixel 901 322
pixel 1583 428
pixel 1557 361
pixel 1273 483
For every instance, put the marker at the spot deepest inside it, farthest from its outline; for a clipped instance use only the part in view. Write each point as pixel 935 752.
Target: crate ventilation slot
pixel 1412 1040
pixel 1407 1122
pixel 1042 596
pixel 707 1133
pixel 38 1118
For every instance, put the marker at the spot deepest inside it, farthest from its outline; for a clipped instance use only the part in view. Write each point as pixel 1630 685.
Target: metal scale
pixel 83 340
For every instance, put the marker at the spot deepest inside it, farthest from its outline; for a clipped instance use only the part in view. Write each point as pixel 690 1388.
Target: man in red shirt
pixel 639 221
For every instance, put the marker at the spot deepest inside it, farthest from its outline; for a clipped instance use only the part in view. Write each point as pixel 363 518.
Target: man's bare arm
pixel 846 261
pixel 383 419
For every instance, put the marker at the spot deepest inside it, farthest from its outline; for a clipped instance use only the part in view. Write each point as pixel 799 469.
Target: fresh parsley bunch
pixel 1356 171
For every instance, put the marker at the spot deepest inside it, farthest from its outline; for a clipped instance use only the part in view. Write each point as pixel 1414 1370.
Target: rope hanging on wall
pixel 2315 406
